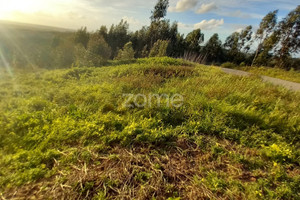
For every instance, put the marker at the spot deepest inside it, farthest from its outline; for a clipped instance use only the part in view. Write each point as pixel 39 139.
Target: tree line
pixel 275 43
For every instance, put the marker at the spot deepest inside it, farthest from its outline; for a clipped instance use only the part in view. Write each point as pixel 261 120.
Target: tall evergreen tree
pixel 98 50
pixel 213 49
pixel 160 10
pixel 161 28
pixel 139 41
pixel 118 36
pixel 193 40
pixel 158 23
pixel 104 32
pixel 82 37
pixel 289 29
pixel 266 29
pixel 244 39
pixel 232 47
pixel 238 44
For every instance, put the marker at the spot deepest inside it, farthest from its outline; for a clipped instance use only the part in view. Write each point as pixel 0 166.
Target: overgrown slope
pixel 65 134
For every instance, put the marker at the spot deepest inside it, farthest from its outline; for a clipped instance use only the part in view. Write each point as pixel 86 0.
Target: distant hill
pixel 25 26
pixel 23 44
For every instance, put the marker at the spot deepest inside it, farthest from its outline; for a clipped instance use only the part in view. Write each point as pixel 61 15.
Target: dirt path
pixel 276 81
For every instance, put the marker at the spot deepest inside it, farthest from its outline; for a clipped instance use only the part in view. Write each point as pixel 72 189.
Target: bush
pixel 229 65
pixel 242 64
pixel 127 53
pixel 80 55
pixel 159 48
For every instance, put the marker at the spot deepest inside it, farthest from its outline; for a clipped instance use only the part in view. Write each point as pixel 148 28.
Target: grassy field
pixel 291 75
pixel 65 134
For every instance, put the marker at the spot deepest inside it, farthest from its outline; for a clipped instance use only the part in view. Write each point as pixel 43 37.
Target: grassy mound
pixel 66 134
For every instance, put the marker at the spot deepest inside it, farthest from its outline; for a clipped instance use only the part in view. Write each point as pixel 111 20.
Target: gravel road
pixel 276 81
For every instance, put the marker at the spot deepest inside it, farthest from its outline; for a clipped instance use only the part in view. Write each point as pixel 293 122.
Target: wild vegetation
pixel 65 134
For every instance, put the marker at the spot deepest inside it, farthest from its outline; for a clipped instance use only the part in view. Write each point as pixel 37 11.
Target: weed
pixel 65 135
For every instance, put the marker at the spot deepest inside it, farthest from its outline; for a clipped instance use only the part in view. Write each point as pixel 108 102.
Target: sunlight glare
pixel 6 64
pixel 20 5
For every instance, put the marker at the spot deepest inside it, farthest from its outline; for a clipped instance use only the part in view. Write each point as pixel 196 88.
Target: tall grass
pixel 232 138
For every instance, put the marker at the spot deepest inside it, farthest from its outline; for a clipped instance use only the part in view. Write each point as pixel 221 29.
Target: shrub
pixel 159 48
pixel 278 153
pixel 242 64
pixel 228 65
pixel 127 53
pixel 80 54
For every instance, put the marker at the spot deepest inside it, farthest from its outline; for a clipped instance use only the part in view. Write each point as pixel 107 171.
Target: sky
pixel 211 16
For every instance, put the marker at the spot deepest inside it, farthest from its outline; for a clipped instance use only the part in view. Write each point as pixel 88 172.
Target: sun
pixel 7 8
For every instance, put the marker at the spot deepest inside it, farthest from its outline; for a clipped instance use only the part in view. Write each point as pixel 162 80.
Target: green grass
pixel 290 75
pixel 65 134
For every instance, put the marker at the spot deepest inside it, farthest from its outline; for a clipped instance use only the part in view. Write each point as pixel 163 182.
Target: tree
pixel 82 37
pixel 118 36
pixel 159 48
pixel 232 46
pixel 140 42
pixel 213 49
pixel 63 55
pixel 289 29
pixel 161 28
pixel 193 40
pixel 55 41
pixel 160 10
pixel 98 51
pixel 266 28
pixel 268 44
pixel 244 39
pixel 178 46
pixel 103 31
pixel 127 53
pixel 238 44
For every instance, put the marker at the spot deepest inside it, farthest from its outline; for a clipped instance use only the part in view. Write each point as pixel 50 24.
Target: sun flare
pixel 8 8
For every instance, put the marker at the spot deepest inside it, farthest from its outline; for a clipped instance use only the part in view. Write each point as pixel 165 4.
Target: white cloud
pixel 210 24
pixel 94 13
pixel 184 5
pixel 207 25
pixel 231 8
pixel 240 14
pixel 133 22
pixel 206 8
pixel 239 30
pixel 184 26
pixel 74 14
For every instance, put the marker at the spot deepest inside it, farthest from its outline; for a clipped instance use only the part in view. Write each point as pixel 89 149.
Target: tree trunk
pixel 256 53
